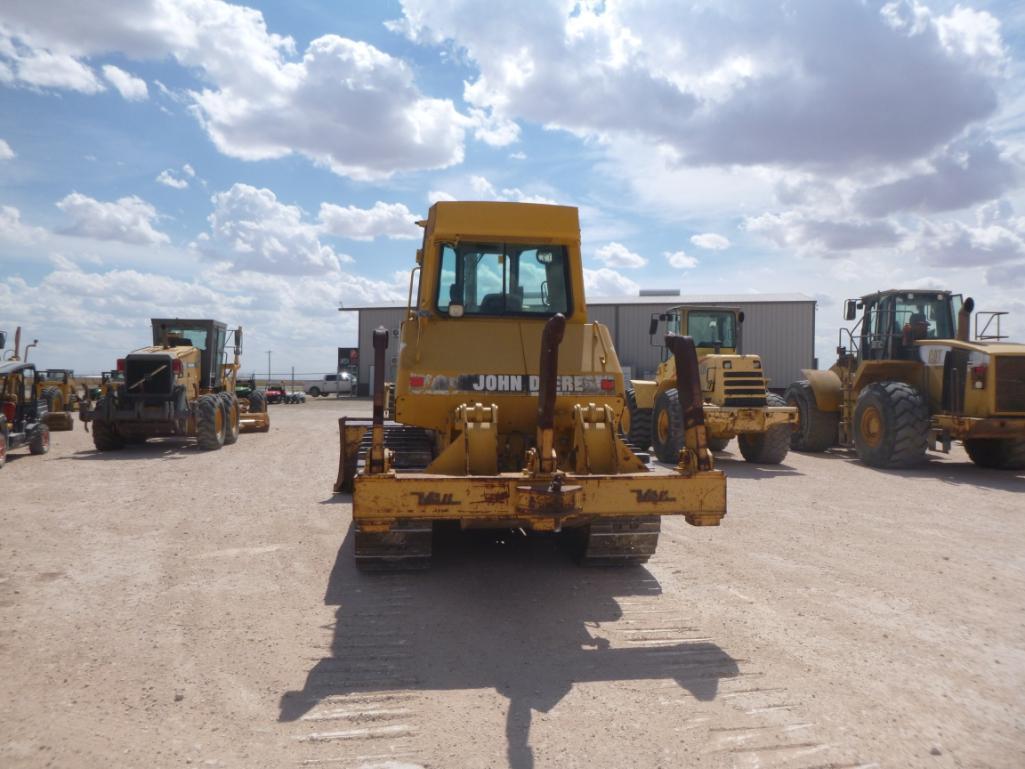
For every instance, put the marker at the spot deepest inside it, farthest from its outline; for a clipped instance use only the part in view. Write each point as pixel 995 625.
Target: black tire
pixel 667 427
pixel 891 425
pixel 257 402
pixel 211 422
pixel 639 433
pixel 40 443
pixel 105 435
pixel 231 418
pixel 997 453
pixel 718 444
pixel 315 392
pixel 54 399
pixel 3 442
pixel 770 447
pixel 816 430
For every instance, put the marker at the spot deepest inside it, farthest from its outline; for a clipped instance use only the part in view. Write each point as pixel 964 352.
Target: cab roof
pixel 15 367
pixel 498 222
pixel 896 291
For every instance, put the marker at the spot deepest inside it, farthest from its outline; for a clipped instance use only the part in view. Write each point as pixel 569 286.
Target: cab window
pixel 503 279
pixel 711 328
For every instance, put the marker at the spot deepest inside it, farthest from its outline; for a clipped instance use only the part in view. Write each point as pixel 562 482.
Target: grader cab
pixel 737 402
pixel 506 400
pixel 182 385
pixel 908 377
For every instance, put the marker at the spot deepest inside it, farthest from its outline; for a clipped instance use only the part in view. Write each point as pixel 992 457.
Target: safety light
pixel 979 375
pixel 176 366
pixel 416 380
pixel 608 384
pixel 121 365
pixel 727 364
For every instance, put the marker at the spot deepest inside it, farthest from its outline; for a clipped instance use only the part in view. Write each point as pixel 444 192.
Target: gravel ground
pixel 165 607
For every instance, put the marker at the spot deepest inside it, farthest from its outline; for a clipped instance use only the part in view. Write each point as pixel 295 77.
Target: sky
pixel 265 163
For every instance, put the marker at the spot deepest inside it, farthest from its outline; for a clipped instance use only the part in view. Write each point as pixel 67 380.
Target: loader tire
pixel 40 443
pixel 667 427
pixel 638 428
pixel 891 425
pixel 718 444
pixel 105 435
pixel 232 417
pixel 54 399
pixel 996 453
pixel 3 442
pixel 770 447
pixel 816 430
pixel 211 422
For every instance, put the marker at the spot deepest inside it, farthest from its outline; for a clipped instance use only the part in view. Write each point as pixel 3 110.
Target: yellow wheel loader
pixel 506 403
pixel 181 385
pixel 908 378
pixel 57 386
pixel 737 403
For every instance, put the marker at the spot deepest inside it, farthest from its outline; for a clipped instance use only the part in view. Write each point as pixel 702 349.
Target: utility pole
pixel 268 366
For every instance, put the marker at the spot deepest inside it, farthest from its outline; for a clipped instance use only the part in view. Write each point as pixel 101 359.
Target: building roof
pixel 666 300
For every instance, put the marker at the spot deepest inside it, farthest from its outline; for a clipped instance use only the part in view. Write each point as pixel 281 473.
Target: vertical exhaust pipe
pixel 377 462
pixel 548 372
pixel 695 454
pixel 964 320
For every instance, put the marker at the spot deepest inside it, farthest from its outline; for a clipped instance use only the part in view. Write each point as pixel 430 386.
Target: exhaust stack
pixel 964 320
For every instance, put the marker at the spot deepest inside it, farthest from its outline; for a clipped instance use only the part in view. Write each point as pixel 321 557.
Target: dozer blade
pixel 253 422
pixel 59 421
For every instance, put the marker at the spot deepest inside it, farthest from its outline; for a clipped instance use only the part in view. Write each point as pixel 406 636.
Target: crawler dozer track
pixel 619 542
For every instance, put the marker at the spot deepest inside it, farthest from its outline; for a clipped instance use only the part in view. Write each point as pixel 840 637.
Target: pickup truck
pixel 343 383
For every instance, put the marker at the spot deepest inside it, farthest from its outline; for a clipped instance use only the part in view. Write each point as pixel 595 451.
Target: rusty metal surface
pixel 722 421
pixel 973 427
pixel 701 497
pixel 551 338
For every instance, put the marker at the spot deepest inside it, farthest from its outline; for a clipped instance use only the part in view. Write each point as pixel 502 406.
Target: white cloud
pixel 805 233
pixel 680 260
pixel 710 241
pixel 130 87
pixel 482 189
pixel 617 255
pixel 963 174
pixel 128 219
pixel 13 230
pixel 737 83
pixel 251 230
pixel 188 170
pixel 168 179
pixel 391 220
pixel 607 282
pixel 6 153
pixel 41 68
pixel 344 103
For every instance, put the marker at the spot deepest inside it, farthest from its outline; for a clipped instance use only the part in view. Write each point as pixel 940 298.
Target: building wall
pixel 370 319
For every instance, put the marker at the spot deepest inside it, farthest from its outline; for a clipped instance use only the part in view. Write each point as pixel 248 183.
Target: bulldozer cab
pixel 715 330
pixel 207 336
pixel 892 321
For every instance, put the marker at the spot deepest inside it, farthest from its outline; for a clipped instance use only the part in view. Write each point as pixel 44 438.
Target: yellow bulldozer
pixel 737 402
pixel 909 377
pixel 506 404
pixel 181 385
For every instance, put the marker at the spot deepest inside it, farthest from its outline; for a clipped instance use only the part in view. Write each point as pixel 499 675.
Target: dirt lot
pixel 164 607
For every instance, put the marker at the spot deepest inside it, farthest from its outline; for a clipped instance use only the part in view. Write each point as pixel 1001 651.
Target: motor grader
pixel 182 385
pixel 908 377
pixel 737 403
pixel 506 403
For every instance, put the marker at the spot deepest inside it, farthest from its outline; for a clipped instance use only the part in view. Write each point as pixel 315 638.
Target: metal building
pixel 779 327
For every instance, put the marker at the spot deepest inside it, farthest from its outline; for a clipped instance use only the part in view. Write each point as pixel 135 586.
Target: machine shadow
pixel 155 448
pixel 953 472
pixel 496 611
